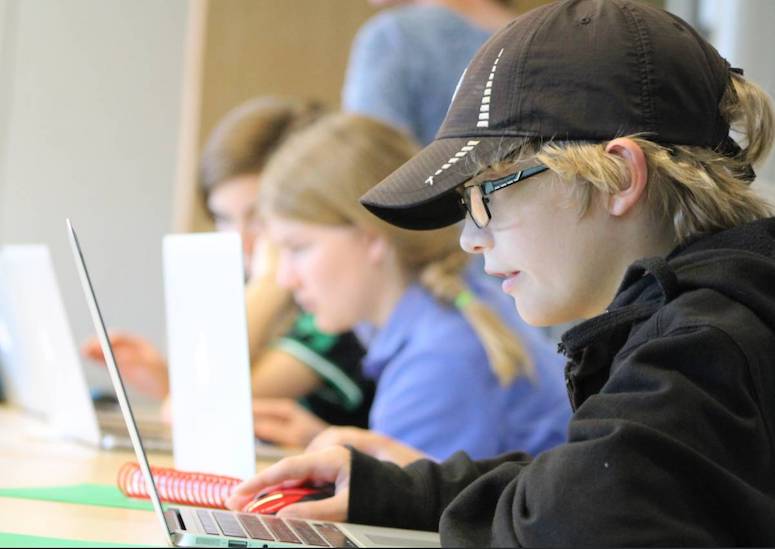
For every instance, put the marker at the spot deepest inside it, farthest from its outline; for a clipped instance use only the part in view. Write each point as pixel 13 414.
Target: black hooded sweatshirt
pixel 671 441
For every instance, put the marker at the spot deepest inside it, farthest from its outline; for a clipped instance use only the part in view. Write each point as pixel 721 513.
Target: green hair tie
pixel 463 299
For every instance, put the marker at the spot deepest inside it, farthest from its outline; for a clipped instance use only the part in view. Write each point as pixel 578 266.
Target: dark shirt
pixel 345 396
pixel 671 441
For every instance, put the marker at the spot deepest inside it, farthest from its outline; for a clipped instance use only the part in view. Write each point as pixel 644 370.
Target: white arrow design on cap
pixel 464 150
pixel 483 122
pixel 484 107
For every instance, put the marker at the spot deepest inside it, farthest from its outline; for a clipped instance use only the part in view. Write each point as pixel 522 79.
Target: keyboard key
pixel 280 530
pixel 306 533
pixel 254 527
pixel 207 522
pixel 333 535
pixel 228 524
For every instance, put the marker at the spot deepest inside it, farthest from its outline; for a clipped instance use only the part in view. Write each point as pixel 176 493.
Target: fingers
pixel 91 349
pixel 328 466
pixel 279 408
pixel 273 430
pixel 342 436
pixel 272 418
pixel 332 436
pixel 331 509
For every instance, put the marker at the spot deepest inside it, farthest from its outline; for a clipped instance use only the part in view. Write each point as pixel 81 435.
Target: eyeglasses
pixel 475 197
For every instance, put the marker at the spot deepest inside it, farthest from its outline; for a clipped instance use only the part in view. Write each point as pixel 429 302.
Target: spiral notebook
pixel 181 487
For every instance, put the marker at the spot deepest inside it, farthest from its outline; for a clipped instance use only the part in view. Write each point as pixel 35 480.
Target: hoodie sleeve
pixel 383 494
pixel 655 458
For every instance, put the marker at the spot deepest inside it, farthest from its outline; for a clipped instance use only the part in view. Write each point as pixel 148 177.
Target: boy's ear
pixel 627 197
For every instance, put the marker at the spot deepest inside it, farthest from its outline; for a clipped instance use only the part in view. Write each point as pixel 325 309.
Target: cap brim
pixel 421 194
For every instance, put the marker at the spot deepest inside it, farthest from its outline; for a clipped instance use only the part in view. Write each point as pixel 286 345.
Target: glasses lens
pixel 476 206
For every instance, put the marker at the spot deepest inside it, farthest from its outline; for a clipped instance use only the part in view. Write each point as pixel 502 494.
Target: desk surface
pixel 30 457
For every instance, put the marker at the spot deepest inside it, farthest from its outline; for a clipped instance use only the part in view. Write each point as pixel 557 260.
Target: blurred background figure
pixel 406 61
pixel 455 369
pixel 290 357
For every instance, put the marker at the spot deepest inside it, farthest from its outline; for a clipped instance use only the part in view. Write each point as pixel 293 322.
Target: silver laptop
pixel 207 345
pixel 202 527
pixel 42 370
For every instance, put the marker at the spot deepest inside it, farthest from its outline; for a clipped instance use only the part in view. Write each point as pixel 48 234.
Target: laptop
pixel 209 364
pixel 203 527
pixel 42 370
pixel 207 346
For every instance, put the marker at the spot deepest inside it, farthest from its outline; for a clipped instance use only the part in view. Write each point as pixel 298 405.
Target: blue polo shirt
pixel 437 392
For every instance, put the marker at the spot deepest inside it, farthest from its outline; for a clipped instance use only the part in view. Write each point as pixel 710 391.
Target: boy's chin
pixel 538 315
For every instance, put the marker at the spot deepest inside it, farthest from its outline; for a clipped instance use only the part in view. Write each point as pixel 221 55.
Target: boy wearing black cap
pixel 588 149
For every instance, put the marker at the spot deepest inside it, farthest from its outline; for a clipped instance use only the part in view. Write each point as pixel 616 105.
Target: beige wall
pixel 89 118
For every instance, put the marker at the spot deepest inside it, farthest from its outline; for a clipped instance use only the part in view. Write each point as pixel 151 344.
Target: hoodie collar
pixel 706 260
pixel 717 261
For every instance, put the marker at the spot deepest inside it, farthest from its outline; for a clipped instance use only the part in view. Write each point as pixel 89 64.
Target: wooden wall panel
pixel 240 49
pixel 284 47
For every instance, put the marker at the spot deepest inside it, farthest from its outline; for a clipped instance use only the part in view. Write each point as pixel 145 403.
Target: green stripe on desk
pixel 20 540
pixel 103 495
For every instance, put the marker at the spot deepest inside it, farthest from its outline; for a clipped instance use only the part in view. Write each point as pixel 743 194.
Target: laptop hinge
pixel 174 520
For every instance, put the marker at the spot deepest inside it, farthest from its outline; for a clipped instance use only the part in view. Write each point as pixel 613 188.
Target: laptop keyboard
pixel 207 522
pixel 334 536
pixel 307 533
pixel 229 525
pixel 280 530
pixel 255 528
pixel 268 528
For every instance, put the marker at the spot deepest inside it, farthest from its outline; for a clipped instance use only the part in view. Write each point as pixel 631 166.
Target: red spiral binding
pixel 173 486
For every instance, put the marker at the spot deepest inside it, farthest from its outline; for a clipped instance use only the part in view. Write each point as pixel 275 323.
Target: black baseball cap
pixel 573 70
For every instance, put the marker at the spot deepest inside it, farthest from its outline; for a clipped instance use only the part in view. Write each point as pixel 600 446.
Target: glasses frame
pixel 486 188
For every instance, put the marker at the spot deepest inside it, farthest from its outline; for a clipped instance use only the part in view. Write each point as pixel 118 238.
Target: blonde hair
pixel 696 189
pixel 318 177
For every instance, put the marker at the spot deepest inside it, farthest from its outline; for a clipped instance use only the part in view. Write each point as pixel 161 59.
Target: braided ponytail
pixel 444 279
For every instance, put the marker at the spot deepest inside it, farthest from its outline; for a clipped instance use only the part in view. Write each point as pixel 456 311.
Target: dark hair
pixel 244 139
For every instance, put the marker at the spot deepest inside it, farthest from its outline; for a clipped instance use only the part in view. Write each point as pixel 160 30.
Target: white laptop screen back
pixel 207 342
pixel 43 371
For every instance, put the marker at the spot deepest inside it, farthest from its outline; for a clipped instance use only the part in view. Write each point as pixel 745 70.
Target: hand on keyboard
pixel 270 502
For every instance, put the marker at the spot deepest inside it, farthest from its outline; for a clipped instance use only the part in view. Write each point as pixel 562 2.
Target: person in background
pixel 291 358
pixel 406 61
pixel 454 369
pixel 622 198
